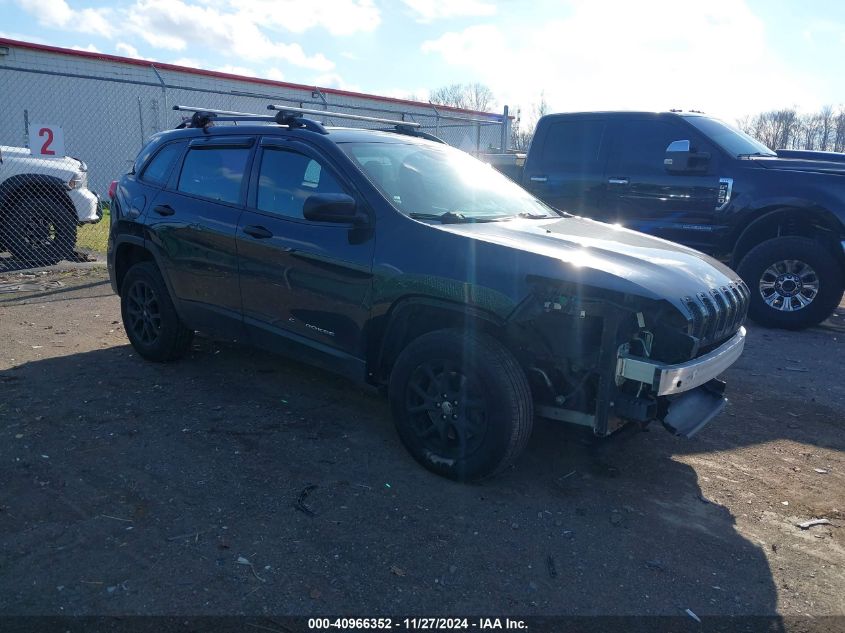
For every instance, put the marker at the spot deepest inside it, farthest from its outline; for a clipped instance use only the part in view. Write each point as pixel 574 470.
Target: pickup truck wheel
pixel 461 404
pixel 795 282
pixel 40 230
pixel 149 318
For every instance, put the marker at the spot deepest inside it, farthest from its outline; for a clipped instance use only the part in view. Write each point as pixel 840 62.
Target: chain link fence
pixel 73 122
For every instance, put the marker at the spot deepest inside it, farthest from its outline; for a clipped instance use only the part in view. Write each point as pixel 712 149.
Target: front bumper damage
pixel 687 394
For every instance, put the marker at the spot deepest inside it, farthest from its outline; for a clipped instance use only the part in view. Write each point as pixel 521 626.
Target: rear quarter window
pixel 158 169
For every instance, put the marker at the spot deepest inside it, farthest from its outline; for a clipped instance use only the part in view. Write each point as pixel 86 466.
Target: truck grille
pixel 717 314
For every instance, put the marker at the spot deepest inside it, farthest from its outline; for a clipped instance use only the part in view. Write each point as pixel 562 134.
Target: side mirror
pixel 331 207
pixel 680 159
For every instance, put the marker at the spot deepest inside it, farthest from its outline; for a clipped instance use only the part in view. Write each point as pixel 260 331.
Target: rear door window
pixel 216 173
pixel 573 145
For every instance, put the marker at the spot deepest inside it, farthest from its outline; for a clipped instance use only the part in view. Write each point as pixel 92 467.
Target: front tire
pixel 461 404
pixel 149 317
pixel 795 282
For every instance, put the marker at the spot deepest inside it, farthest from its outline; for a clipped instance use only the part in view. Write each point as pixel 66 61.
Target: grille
pixel 717 314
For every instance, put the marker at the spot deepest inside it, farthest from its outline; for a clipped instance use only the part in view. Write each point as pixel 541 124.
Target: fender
pixel 397 319
pixel 763 213
pixel 137 240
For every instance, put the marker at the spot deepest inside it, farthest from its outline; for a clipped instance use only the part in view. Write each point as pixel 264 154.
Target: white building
pixel 108 106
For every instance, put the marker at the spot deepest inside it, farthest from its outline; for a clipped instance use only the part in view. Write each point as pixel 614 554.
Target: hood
pixel 801 164
pixel 606 256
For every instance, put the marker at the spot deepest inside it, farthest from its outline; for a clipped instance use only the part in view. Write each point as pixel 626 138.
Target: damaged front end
pixel 602 360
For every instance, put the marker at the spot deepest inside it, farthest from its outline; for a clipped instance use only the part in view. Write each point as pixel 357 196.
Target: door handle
pixel 617 181
pixel 164 209
pixel 258 232
pixel 539 178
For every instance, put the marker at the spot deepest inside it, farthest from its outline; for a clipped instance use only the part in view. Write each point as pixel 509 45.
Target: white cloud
pixel 430 10
pixel 275 74
pixel 188 62
pixel 711 56
pixel 237 70
pixel 57 14
pixel 333 80
pixel 174 25
pixel 338 17
pixel 90 48
pixel 127 50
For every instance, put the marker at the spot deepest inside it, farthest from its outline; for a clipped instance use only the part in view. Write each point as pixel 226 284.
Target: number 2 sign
pixel 46 141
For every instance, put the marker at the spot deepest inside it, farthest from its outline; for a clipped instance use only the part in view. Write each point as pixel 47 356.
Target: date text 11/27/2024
pixel 413 624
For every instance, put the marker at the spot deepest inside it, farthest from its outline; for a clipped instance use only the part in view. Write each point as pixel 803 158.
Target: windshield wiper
pixel 451 217
pixel 535 216
pixel 755 154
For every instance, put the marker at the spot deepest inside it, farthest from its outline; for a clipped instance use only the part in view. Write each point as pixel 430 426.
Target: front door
pixel 643 196
pixel 305 285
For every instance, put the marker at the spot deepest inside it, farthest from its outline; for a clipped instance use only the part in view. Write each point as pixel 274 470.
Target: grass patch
pixel 94 237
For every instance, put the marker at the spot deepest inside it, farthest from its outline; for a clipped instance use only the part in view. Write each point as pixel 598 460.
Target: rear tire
pixel 149 317
pixel 40 230
pixel 485 419
pixel 795 282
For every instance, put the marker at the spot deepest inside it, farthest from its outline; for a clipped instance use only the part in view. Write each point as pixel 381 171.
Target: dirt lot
pixel 129 487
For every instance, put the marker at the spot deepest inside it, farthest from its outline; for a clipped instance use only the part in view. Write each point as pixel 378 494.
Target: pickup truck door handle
pixel 617 181
pixel 539 178
pixel 164 209
pixel 258 232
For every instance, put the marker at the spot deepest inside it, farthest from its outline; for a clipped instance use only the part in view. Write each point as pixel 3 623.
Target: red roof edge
pixel 219 75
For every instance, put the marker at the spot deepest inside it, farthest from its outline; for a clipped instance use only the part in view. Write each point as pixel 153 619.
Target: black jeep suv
pixel 401 262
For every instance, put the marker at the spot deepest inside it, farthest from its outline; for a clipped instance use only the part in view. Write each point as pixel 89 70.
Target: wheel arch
pixel 812 221
pixel 127 253
pixel 411 317
pixel 12 188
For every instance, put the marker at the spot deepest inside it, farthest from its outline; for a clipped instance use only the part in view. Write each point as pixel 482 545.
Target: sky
pixel 730 58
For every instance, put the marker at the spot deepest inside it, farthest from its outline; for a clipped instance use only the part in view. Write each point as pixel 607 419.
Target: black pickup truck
pixel 775 217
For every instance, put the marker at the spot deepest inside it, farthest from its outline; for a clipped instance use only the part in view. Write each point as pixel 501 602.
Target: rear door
pixel 305 285
pixel 643 196
pixel 565 166
pixel 192 227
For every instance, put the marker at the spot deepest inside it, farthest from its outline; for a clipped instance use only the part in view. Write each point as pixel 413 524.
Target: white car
pixel 42 202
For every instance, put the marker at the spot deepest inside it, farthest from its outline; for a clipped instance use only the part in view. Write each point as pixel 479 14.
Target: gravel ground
pixel 235 482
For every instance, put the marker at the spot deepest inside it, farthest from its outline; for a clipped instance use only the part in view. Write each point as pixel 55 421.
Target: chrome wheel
pixel 789 285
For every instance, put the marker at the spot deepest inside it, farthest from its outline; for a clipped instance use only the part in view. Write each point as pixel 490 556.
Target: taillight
pixel 112 188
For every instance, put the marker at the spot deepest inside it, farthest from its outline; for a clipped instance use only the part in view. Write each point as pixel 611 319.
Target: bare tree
pixel 523 128
pixel 823 130
pixel 470 96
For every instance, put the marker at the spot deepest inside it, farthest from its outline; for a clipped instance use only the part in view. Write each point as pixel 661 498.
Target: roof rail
pixel 341 115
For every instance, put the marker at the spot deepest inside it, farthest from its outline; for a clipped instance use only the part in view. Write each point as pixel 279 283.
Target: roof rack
pixel 205 117
pixel 295 117
pixel 341 115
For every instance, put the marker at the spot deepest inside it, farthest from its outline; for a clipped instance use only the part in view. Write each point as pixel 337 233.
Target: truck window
pixel 639 146
pixel 572 144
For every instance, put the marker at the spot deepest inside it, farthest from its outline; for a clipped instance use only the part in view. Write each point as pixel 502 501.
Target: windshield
pixel 730 139
pixel 442 183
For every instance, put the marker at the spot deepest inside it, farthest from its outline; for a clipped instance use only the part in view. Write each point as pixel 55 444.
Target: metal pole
pixel 505 135
pixel 141 119
pixel 26 128
pixel 164 92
